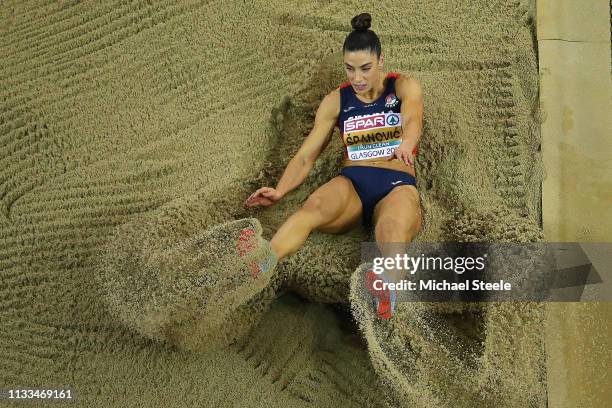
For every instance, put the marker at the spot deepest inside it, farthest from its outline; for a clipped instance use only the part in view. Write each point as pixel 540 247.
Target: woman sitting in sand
pixel 380 117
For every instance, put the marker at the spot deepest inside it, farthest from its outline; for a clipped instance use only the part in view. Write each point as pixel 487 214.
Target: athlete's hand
pixel 265 196
pixel 404 153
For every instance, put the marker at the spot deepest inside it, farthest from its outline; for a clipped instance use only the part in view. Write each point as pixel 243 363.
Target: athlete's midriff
pixel 394 164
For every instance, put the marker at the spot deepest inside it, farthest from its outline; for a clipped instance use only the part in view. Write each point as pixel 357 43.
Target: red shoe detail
pixel 245 242
pixel 244 245
pixel 255 271
pixel 383 296
pixel 371 277
pixel 384 309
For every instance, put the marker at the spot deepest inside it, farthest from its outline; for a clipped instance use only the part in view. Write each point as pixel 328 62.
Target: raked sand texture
pixel 134 114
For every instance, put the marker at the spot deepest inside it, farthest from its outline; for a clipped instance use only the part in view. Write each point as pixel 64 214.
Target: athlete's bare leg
pixel 397 219
pixel 334 207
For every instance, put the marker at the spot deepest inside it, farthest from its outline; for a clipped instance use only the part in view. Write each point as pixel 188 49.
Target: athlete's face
pixel 362 68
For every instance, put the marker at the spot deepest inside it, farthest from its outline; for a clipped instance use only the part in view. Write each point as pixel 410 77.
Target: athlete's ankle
pixel 269 263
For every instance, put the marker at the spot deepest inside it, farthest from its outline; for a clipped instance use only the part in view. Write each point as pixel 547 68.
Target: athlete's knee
pixel 389 229
pixel 317 207
pixel 313 203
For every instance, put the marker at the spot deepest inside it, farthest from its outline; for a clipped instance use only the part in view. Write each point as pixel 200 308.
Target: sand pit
pixel 117 113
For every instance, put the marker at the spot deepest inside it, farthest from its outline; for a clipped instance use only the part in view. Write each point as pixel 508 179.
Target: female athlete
pixel 380 117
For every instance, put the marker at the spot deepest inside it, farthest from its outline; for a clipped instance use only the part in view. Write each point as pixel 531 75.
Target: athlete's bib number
pixel 370 151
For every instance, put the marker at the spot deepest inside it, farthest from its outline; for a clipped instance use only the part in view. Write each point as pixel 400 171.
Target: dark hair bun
pixel 361 22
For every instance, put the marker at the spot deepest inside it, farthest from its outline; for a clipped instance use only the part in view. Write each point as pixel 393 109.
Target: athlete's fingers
pixel 258 192
pixel 411 159
pixel 258 201
pixel 263 190
pixel 263 201
pixel 400 156
pixel 253 197
pixel 262 198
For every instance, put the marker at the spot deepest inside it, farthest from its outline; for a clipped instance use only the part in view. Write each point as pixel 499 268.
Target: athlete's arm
pixel 300 165
pixel 408 90
pixel 316 141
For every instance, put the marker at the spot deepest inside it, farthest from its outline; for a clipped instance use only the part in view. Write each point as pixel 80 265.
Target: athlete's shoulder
pixel 344 85
pixel 330 105
pixel 407 86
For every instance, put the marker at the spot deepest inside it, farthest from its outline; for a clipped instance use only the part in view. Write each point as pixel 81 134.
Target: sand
pixel 189 289
pixel 170 114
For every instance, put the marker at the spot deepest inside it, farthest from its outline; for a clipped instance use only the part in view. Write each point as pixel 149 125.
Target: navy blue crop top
pixel 370 131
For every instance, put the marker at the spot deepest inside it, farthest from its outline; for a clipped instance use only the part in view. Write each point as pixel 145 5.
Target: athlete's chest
pixel 357 115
